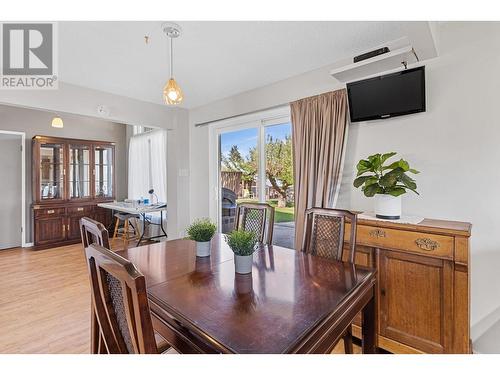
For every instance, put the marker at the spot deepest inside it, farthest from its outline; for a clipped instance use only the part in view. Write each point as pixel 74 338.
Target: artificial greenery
pixel 201 230
pixel 241 242
pixel 377 178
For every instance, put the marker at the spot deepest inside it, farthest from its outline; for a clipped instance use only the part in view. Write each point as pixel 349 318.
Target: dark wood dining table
pixel 290 303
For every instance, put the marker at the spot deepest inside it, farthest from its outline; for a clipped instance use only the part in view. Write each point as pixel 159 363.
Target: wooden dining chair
pixel 257 218
pixel 121 304
pixel 324 237
pixel 92 232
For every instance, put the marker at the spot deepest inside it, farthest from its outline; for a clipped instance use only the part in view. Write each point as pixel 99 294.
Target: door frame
pixel 259 121
pixel 24 243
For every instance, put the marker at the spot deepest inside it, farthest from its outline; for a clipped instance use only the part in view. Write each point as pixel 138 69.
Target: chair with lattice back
pixel 257 218
pixel 92 232
pixel 324 237
pixel 121 304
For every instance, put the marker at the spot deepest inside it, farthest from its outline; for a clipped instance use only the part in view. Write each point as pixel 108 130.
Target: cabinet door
pixel 79 172
pixel 103 215
pixel 415 303
pixel 50 229
pixel 73 227
pixel 50 176
pixel 104 182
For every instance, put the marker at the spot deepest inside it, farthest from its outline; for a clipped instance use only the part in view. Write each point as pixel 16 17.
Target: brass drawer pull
pixel 79 209
pixel 50 211
pixel 427 244
pixel 378 233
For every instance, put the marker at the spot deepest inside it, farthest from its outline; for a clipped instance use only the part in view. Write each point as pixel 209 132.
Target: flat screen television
pixel 386 96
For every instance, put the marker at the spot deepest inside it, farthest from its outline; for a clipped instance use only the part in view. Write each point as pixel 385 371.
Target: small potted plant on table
pixel 243 245
pixel 386 182
pixel 202 231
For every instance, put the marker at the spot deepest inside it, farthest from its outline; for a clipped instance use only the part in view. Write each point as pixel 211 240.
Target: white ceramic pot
pixel 387 206
pixel 243 263
pixel 202 249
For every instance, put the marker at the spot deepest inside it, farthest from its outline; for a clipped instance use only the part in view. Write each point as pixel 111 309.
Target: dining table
pixel 291 302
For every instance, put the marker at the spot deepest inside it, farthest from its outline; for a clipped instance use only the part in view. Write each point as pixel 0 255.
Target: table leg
pixel 161 224
pixel 143 228
pixel 368 326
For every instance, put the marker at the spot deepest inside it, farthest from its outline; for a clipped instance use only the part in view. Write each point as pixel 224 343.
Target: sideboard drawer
pixel 44 212
pixel 80 210
pixel 434 245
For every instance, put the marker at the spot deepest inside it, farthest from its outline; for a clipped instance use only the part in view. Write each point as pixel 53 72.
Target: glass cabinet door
pixel 79 171
pixel 103 171
pixel 51 171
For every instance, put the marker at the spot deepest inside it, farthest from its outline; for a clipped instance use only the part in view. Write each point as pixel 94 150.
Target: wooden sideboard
pixel 70 177
pixel 423 287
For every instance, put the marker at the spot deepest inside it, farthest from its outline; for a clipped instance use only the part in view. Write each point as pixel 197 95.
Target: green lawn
pixel 281 214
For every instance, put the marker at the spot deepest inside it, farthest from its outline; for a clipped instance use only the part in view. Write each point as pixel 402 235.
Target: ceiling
pixel 214 60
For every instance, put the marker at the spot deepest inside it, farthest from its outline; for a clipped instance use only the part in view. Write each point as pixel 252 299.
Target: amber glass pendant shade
pixel 172 93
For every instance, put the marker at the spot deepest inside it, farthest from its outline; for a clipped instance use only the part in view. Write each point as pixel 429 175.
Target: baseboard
pixel 28 244
pixel 478 329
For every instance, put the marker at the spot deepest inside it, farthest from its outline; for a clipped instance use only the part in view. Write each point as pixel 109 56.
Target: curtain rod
pixel 239 115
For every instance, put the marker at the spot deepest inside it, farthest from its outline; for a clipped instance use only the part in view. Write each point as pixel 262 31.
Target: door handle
pixel 382 292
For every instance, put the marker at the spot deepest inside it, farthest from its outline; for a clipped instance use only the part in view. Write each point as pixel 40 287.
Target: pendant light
pixel 57 122
pixel 172 93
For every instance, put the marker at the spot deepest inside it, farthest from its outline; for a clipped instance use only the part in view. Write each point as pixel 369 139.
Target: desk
pixel 141 210
pixel 291 302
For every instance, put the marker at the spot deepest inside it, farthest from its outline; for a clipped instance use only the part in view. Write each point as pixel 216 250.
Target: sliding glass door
pixel 238 165
pixel 254 164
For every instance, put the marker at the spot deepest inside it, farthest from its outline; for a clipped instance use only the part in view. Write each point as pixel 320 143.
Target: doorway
pixel 12 202
pixel 253 163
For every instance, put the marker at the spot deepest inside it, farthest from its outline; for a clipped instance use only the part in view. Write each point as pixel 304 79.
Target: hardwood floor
pixel 45 301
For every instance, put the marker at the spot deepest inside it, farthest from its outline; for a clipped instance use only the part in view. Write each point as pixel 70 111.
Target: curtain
pixel 147 161
pixel 319 131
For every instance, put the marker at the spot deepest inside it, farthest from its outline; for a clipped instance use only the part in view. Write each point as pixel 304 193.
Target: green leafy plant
pixel 201 230
pixel 377 178
pixel 242 242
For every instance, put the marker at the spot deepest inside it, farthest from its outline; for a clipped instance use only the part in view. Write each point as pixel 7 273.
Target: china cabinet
pixel 70 177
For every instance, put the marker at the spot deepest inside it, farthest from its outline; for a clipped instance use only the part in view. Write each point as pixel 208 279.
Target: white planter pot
pixel 387 206
pixel 243 264
pixel 203 249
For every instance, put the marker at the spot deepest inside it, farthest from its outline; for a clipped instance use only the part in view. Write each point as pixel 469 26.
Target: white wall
pixel 454 144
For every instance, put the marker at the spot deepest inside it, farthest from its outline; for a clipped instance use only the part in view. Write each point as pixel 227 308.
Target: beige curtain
pixel 319 126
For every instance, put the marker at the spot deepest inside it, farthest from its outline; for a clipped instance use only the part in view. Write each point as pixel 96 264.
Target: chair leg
pixel 94 333
pixel 137 230
pixel 117 224
pixel 102 345
pixel 348 341
pixel 125 233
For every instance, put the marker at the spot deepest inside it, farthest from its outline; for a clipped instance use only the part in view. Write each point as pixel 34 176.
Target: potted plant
pixel 202 231
pixel 243 245
pixel 386 182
